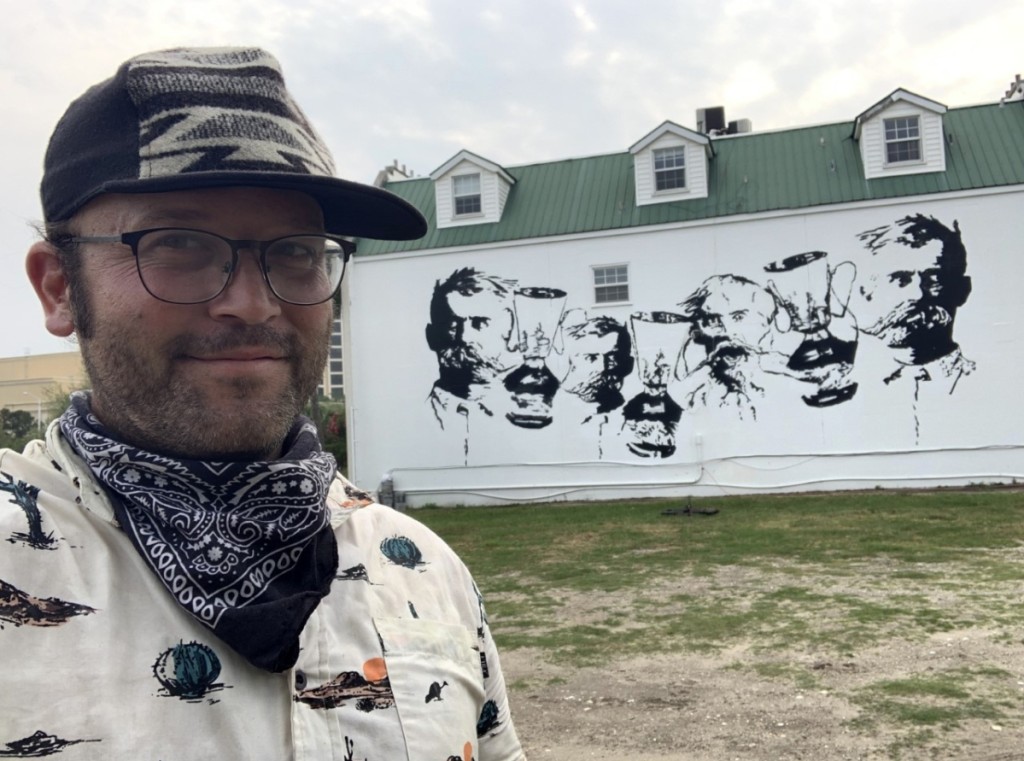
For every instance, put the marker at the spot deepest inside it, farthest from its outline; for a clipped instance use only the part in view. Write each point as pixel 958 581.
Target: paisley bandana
pixel 245 547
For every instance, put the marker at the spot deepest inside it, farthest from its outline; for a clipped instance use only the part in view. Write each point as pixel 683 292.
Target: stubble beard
pixel 147 400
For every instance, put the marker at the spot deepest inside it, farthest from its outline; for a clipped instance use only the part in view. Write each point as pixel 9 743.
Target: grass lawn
pixel 781 576
pixel 527 557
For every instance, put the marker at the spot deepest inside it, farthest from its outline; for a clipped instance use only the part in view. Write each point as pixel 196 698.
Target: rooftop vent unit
pixel 711 121
pixel 739 127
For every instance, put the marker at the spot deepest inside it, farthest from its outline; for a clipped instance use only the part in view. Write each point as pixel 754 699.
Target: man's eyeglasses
pixel 183 266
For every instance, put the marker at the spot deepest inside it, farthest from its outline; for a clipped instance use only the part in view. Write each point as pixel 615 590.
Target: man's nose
pixel 929 284
pixel 247 296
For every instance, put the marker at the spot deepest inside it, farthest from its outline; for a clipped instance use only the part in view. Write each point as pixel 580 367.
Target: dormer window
pixel 466 194
pixel 901 134
pixel 670 164
pixel 470 190
pixel 902 139
pixel 670 168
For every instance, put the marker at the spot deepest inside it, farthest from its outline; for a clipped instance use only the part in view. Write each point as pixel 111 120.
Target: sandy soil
pixel 689 707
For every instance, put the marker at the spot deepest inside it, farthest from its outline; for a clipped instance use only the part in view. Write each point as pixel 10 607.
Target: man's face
pixel 593 364
pixel 219 380
pixel 732 314
pixel 479 331
pixel 905 296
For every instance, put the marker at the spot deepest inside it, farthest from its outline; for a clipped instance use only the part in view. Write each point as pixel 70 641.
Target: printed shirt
pixel 99 662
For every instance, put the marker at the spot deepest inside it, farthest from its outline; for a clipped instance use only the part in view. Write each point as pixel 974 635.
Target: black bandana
pixel 245 547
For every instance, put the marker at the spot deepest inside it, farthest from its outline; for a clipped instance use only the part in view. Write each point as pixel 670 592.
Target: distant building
pixel 30 382
pixel 707 311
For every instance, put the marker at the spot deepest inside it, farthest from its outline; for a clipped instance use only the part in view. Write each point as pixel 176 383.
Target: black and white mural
pixel 814 328
pixel 874 344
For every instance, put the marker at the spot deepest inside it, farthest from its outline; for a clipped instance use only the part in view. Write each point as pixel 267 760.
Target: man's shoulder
pixel 372 526
pixel 386 520
pixel 33 468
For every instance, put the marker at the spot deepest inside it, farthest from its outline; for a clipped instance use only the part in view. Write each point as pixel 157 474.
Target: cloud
pixel 535 80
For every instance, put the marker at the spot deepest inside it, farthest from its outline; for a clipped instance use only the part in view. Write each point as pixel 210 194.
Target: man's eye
pixel 902 278
pixel 294 251
pixel 178 248
pixel 178 241
pixel 479 322
pixel 295 258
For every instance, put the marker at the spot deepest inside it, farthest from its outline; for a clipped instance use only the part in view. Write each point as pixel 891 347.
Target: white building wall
pixel 892 432
pixel 872 143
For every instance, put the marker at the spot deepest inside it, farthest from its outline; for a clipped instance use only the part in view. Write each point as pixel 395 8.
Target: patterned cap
pixel 204 118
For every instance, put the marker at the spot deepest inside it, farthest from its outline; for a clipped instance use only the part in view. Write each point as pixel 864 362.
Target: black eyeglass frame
pixel 131 239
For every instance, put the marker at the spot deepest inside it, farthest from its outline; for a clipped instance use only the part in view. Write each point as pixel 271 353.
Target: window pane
pixel 669 158
pixel 669 168
pixel 466 189
pixel 675 178
pixel 611 283
pixel 466 184
pixel 902 139
pixel 908 150
pixel 467 205
pixel 606 293
pixel 902 128
pixel 609 275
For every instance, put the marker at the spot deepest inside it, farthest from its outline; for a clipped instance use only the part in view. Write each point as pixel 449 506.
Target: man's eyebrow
pixel 901 274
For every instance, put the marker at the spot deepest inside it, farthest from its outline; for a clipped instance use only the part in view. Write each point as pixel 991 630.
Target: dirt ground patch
pixel 745 702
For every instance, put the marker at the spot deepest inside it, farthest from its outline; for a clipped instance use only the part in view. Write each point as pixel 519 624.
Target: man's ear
pixel 46 274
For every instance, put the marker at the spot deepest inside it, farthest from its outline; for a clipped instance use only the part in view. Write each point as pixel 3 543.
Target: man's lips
pixel 238 363
pixel 238 355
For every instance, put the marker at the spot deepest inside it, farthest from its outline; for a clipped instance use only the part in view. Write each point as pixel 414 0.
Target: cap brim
pixel 350 208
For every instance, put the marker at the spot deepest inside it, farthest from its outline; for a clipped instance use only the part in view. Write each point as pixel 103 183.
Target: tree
pixel 15 428
pixel 58 399
pixel 16 423
pixel 330 421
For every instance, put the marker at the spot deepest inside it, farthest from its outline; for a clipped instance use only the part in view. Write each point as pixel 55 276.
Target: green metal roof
pixel 757 172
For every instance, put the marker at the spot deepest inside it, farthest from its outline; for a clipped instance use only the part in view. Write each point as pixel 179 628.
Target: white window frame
pixel 461 196
pixel 611 283
pixel 676 154
pixel 899 132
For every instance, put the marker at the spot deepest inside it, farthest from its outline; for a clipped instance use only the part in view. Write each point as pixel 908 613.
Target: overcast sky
pixel 517 82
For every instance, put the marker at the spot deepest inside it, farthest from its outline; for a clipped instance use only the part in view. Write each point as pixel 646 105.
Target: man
pixel 600 356
pixel 470 330
pixel 731 319
pixel 912 282
pixel 185 574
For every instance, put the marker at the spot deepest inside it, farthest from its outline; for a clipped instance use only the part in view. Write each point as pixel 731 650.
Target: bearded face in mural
pixel 730 321
pixel 731 316
pixel 911 286
pixel 600 357
pixel 471 324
